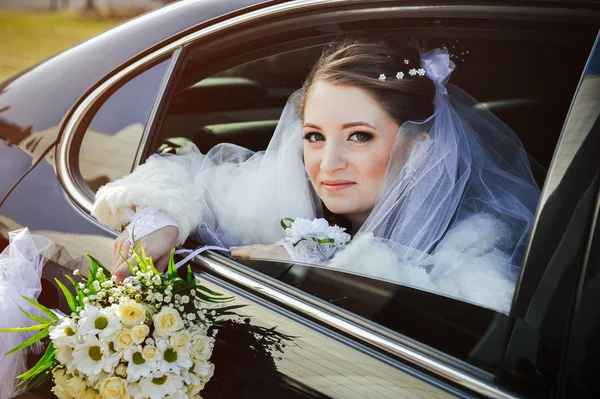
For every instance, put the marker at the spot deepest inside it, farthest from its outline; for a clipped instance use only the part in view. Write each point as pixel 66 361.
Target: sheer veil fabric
pixel 460 200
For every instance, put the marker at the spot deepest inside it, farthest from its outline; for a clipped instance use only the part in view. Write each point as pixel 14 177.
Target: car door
pixel 357 336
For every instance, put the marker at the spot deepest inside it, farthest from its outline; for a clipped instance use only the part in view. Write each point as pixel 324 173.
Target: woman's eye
pixel 360 137
pixel 314 137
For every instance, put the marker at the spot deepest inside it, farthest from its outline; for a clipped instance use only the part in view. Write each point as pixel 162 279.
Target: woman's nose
pixel 333 157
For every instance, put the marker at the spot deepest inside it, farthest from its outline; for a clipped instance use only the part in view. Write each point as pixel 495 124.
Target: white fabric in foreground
pixel 466 264
pixel 21 266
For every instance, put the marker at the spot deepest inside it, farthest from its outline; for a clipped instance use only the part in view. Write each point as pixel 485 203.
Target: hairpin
pixel 382 76
pixel 400 75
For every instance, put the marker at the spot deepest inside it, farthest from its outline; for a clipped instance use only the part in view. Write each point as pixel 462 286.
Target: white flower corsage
pixel 312 241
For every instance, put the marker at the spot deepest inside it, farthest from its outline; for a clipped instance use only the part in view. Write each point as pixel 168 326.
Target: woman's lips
pixel 336 185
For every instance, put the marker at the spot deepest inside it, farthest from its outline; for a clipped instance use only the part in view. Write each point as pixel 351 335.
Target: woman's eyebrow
pixel 344 126
pixel 354 124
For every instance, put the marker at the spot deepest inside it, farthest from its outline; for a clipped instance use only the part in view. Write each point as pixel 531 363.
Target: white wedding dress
pixel 454 219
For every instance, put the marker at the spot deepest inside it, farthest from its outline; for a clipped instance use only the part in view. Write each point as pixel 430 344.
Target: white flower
pixel 180 340
pixel 156 280
pixel 382 76
pixel 93 356
pixel 167 322
pixel 191 317
pixel 65 333
pixel 400 75
pixel 60 392
pixel 421 72
pixel 123 340
pixel 172 360
pixel 406 62
pixel 158 297
pixel 412 72
pixel 158 385
pixel 185 299
pixel 139 333
pixel 150 352
pixel 64 354
pixel 204 370
pixel 113 388
pixel 202 347
pixel 75 386
pixel 137 365
pixel 131 312
pixel 94 320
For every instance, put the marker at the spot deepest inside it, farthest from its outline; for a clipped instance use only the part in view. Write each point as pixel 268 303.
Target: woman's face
pixel 348 138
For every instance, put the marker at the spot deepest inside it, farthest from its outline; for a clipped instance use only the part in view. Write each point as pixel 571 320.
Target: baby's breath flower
pixel 86 300
pixel 111 299
pixel 181 309
pixel 82 286
pixel 86 291
pixel 185 299
pixel 156 280
pixel 191 317
pixel 96 285
pixel 168 299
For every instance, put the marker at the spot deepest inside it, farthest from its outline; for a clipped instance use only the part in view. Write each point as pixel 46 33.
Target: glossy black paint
pixel 554 344
pixel 551 285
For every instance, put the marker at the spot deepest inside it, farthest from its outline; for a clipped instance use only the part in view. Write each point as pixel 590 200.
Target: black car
pixel 211 71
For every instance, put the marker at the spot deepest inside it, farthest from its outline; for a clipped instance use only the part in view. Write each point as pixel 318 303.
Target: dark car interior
pixel 506 70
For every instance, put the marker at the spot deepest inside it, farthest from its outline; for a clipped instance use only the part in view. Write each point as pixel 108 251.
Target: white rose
pixel 131 313
pixel 195 389
pixel 113 388
pixel 139 333
pixel 204 370
pixel 202 347
pixel 61 378
pixel 167 322
pixel 123 339
pixel 180 340
pixel 149 352
pixel 75 386
pixel 60 392
pixel 64 354
pixel 121 370
pixel 90 393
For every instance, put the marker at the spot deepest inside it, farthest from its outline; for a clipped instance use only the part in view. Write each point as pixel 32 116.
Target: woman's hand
pixel 158 246
pixel 261 252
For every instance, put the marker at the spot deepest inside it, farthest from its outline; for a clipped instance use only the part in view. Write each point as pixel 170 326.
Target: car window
pixel 237 97
pixel 111 140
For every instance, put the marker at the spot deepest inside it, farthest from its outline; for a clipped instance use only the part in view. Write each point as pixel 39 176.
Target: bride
pixel 436 192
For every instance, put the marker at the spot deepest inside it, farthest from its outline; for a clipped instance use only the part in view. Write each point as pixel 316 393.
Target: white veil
pixel 461 205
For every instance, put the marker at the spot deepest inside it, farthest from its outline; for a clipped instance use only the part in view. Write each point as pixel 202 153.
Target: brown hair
pixel 359 62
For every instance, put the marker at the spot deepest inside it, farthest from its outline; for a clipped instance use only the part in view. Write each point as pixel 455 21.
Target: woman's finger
pixel 122 271
pixel 115 254
pixel 121 253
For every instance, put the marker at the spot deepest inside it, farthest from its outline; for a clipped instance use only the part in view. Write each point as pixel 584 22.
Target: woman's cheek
pixel 311 163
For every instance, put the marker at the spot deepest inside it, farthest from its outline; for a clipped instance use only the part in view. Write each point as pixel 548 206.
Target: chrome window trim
pixel 325 314
pixel 319 310
pixel 155 106
pixel 69 178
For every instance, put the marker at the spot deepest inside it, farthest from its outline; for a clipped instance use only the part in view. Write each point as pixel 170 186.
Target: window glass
pixel 240 101
pixel 111 140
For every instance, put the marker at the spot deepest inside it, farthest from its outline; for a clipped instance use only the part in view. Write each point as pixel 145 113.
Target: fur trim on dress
pixel 159 184
pixel 467 263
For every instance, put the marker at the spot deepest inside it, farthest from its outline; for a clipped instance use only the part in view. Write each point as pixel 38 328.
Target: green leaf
pixel 34 317
pixel 68 296
pixel 284 225
pixel 48 357
pixel 42 308
pixel 41 334
pixel 129 265
pixel 144 267
pixel 24 329
pixel 99 266
pixel 326 241
pixel 172 270
pixel 78 290
pixel 190 275
pixel 206 289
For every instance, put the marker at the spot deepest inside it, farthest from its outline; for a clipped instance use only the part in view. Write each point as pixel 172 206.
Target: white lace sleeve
pixel 145 221
pixel 312 241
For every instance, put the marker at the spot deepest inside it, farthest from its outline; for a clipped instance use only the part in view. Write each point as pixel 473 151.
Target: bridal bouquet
pixel 149 337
